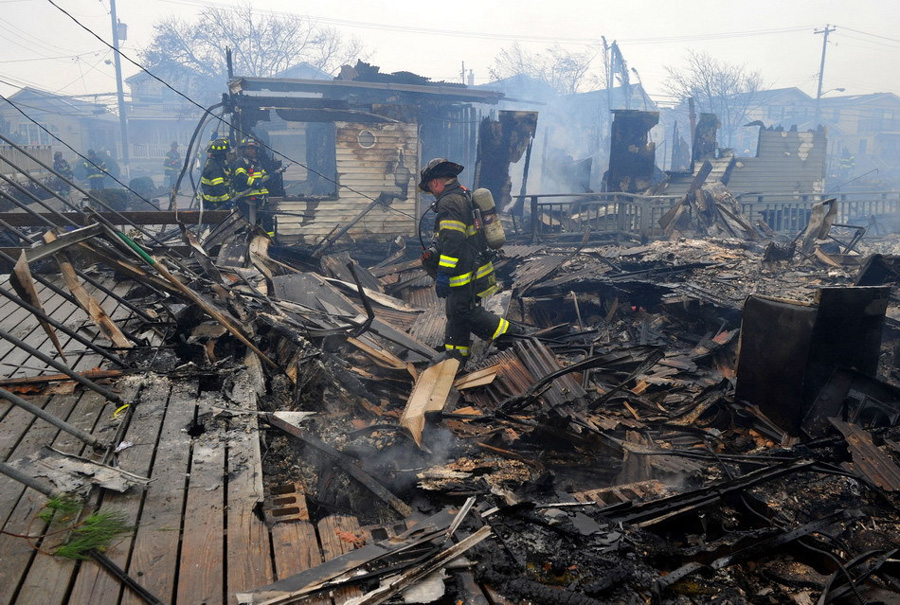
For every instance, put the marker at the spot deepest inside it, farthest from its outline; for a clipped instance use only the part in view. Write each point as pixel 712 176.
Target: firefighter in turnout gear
pixel 61 167
pixel 172 164
pixel 94 170
pixel 465 273
pixel 215 183
pixel 248 178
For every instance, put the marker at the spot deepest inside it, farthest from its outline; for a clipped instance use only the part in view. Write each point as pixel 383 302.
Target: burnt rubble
pixel 686 421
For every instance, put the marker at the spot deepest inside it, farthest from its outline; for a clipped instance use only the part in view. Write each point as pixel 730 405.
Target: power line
pixel 504 35
pixel 850 29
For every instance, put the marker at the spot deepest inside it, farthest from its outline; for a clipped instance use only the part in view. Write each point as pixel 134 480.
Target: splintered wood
pixel 428 395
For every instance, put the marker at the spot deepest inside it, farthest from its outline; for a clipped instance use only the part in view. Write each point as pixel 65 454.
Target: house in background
pixel 82 124
pixel 157 116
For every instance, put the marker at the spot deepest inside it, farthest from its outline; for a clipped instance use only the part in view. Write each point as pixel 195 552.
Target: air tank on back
pixel 493 230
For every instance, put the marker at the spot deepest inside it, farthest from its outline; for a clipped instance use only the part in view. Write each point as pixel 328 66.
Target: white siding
pixel 363 174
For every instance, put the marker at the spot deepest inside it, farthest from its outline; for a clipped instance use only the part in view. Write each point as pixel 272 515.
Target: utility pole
pixel 828 29
pixel 123 118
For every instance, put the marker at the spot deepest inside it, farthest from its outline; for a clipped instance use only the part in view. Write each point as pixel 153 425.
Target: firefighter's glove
pixel 430 262
pixel 442 285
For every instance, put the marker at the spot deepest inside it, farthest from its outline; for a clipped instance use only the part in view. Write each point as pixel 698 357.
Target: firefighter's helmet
pixel 435 168
pixel 218 146
pixel 250 142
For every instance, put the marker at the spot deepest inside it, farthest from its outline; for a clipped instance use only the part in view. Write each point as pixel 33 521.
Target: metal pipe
pixel 76 187
pixel 62 327
pixel 27 208
pixel 40 413
pixel 46 188
pixel 17 475
pixel 62 368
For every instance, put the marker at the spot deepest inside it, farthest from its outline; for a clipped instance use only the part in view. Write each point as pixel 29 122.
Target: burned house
pixel 346 143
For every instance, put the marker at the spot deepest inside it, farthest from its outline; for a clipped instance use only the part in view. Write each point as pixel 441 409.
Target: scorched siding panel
pixel 369 157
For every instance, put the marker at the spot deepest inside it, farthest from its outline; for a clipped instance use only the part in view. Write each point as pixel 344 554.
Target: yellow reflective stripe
pixel 501 329
pixel 488 292
pixel 452 226
pixel 216 181
pixel 464 351
pixel 448 261
pixel 461 280
pixel 485 269
pixel 216 198
pixel 471 230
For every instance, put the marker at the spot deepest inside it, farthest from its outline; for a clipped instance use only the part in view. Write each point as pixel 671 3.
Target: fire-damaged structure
pixel 344 143
pixel 703 406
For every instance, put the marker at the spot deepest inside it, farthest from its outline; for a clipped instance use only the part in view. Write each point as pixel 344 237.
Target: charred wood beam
pixel 348 465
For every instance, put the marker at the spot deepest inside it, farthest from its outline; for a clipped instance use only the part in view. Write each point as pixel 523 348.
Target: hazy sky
pixel 42 47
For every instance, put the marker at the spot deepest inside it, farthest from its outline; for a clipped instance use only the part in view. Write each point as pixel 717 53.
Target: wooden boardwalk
pixel 199 536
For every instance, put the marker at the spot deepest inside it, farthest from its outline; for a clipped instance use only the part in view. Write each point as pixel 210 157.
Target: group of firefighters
pixel 240 184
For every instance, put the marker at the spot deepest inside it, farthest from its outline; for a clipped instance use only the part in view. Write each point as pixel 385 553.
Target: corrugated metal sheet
pixel 429 326
pixel 519 368
pixel 536 269
pixel 364 172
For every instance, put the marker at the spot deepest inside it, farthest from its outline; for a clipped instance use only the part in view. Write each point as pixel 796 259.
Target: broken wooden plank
pixel 21 281
pixel 87 302
pixel 382 357
pixel 428 395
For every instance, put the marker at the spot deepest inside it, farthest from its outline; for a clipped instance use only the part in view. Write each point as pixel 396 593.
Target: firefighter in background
pixel 172 164
pixel 848 163
pixel 248 181
pixel 94 170
pixel 61 167
pixel 215 183
pixel 465 273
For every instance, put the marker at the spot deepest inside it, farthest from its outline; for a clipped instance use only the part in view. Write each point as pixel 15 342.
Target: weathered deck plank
pixel 202 566
pixel 335 532
pixel 92 584
pixel 249 560
pixel 48 579
pixel 154 560
pixel 19 505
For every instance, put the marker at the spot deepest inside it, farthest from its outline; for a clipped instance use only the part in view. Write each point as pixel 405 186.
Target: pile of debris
pixel 622 452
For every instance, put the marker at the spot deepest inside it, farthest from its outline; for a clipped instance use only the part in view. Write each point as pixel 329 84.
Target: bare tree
pixel 724 89
pixel 566 72
pixel 192 54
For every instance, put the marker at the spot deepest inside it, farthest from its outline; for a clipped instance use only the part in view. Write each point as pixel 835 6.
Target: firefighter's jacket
pixel 215 184
pixel 247 178
pixel 172 163
pixel 95 170
pixel 63 168
pixel 463 252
